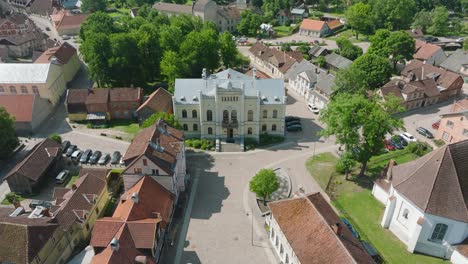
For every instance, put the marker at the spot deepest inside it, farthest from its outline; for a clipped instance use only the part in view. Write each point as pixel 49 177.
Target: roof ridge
pixel 435 178
pixel 456 171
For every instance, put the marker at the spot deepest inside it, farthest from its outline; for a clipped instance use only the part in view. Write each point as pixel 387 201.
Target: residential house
pixel 457 63
pixel 316 51
pixel 429 53
pixel 226 18
pixel 67 23
pixel 44 7
pixel 337 62
pixel 314 28
pixel 157 151
pixel 29 111
pixel 44 161
pixel 159 101
pixel 426 200
pixel 320 96
pixel 297 14
pixel 65 56
pixel 51 235
pixel 449 84
pixel 284 17
pixel 103 103
pixel 335 25
pixel 273 61
pixel 138 226
pixel 306 229
pixel 20 36
pixel 230 106
pixel 413 94
pixel 43 79
pixel 453 126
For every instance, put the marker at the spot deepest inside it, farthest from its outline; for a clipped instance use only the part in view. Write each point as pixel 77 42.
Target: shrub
pixel 250 143
pixel 267 139
pixel 188 142
pixel 56 137
pixel 419 148
pixel 439 142
pixel 11 197
pixel 88 125
pixel 196 143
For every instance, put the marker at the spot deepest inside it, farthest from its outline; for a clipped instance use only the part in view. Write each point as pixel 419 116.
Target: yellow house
pixel 43 79
pixel 64 55
pixel 51 235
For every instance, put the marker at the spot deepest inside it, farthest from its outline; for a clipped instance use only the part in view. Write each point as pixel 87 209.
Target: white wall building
pixel 426 200
pixel 230 106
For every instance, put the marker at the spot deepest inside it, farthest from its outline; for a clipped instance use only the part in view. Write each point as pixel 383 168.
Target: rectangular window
pixel 12 90
pixel 449 123
pixel 145 162
pixel 35 90
pixel 137 170
pixel 24 90
pixel 2 90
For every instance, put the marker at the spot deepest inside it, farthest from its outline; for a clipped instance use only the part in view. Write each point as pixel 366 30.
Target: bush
pixel 267 139
pixel 419 148
pixel 56 137
pixel 88 125
pixel 439 142
pixel 11 197
pixel 188 142
pixel 196 143
pixel 250 143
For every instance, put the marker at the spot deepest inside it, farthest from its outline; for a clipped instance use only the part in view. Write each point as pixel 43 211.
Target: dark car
pixel 431 39
pixel 95 157
pixel 294 128
pixel 403 141
pixel 70 150
pixel 85 157
pixel 424 132
pixel 115 157
pixel 294 122
pixel 35 203
pixel 65 145
pixel 291 118
pixel 396 144
pixel 350 227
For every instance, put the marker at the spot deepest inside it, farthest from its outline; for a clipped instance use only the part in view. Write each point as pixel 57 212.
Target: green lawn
pixel 71 181
pixel 283 31
pixel 126 126
pixel 348 33
pixel 321 167
pixel 365 213
pixel 6 202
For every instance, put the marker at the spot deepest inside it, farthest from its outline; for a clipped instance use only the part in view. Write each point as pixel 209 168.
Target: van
pixel 61 177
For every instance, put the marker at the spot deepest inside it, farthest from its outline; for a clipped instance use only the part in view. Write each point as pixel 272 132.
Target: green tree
pixel 96 51
pixel 440 21
pixel 304 49
pixel 228 50
pixel 125 63
pixel 376 68
pixel 172 67
pixel 98 22
pixel 93 5
pixel 359 17
pixel 264 183
pixel 394 14
pixel 169 118
pixel 286 47
pixel 321 61
pixel 422 20
pixel 56 137
pixel 398 45
pixel 351 81
pixel 347 49
pixel 8 140
pixel 199 50
pixel 346 163
pixel 360 124
pixel 249 24
pixel 149 50
pixel 170 37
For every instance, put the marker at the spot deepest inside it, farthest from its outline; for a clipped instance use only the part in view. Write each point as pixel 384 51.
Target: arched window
pixel 250 115
pixel 265 113
pixel 264 128
pixel 184 113
pixel 275 113
pixel 24 90
pixel 273 127
pixel 234 115
pixel 249 131
pixel 194 113
pixel 405 213
pixel 195 127
pixel 210 131
pixel 439 233
pixel 185 127
pixel 225 115
pixel 209 115
pixel 277 241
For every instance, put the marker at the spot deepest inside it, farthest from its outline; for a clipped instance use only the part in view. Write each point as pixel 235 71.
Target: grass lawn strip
pixel 321 167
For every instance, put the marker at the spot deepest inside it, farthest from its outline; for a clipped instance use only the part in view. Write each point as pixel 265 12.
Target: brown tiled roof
pixel 159 101
pixel 385 178
pixel 37 162
pixel 420 71
pixel 104 230
pixel 334 24
pixel 429 86
pixel 97 96
pixel 229 12
pixel 425 51
pixel 42 7
pixel 19 106
pixel 460 105
pixel 22 238
pixel 297 55
pixel 260 74
pixel 437 182
pixel 91 182
pixel 77 96
pixel 71 21
pixel 63 53
pixel 307 224
pixel 125 94
pixel 169 138
pixel 173 8
pixel 394 90
pixel 279 59
pixel 462 248
pixel 312 25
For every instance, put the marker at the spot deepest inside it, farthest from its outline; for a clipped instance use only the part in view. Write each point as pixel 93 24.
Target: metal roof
pixel 24 72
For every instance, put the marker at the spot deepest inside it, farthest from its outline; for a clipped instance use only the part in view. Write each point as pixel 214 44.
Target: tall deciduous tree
pixel 98 22
pixel 249 24
pixel 96 51
pixel 149 50
pixel 200 50
pixel 359 17
pixel 125 63
pixel 360 124
pixel 228 50
pixel 377 70
pixel 440 21
pixel 172 67
pixel 422 20
pixel 264 183
pixel 170 37
pixel 93 5
pixel 398 45
pixel 347 49
pixel 394 14
pixel 169 118
pixel 8 138
pixel 350 81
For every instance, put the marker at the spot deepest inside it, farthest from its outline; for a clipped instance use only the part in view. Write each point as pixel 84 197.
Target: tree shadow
pixel 190 257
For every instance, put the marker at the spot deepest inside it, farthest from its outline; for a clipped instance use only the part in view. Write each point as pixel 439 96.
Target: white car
pixel 313 108
pixel 408 137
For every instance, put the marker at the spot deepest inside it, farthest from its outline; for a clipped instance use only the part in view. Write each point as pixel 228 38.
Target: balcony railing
pixel 231 124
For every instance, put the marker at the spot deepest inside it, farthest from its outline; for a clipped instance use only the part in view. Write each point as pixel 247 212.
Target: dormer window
pixel 182 98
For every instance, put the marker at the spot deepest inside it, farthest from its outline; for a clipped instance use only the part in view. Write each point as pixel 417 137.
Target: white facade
pixel 458 258
pixel 279 243
pixel 302 84
pixel 230 105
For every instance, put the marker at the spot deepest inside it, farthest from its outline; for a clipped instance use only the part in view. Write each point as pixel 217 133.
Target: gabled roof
pixel 62 53
pixel 282 60
pixel 307 223
pixel 69 21
pixel 200 5
pixel 337 61
pixel 125 94
pixel 20 106
pixel 425 51
pixel 333 24
pixel 456 61
pixel 437 182
pixel 173 8
pixel 42 7
pixel 97 96
pixel 37 162
pixel 420 71
pixel 312 25
pixel 24 72
pixel 159 101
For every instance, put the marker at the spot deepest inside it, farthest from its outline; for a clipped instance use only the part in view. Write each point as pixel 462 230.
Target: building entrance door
pixel 230 133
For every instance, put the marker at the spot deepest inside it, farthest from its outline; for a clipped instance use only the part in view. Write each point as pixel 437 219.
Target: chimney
pixel 141 259
pixel 73 187
pixel 16 203
pixel 337 228
pixel 254 73
pixel 135 197
pixel 114 244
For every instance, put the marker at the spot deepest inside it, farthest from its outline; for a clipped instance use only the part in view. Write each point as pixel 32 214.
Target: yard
pixel 283 31
pixel 348 34
pixel 127 126
pixel 322 166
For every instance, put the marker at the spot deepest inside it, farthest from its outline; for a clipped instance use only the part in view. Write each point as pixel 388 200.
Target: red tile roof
pixel 307 224
pixel 312 25
pixel 126 94
pixel 334 24
pixel 282 60
pixel 97 96
pixel 71 21
pixel 420 70
pixel 159 101
pixel 63 54
pixel 425 50
pixel 18 105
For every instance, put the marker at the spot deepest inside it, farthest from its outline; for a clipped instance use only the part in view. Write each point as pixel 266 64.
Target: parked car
pixel 294 128
pixel 389 145
pixel 95 157
pixel 313 108
pixel 350 227
pixel 291 118
pixel 65 37
pixel 65 145
pixel 62 176
pixel 436 125
pixel 424 132
pixel 104 159
pixel 115 157
pixel 76 155
pixel 396 143
pixel 431 39
pixel 70 150
pixel 35 203
pixel 85 157
pixel 294 122
pixel 408 137
pixel 403 141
